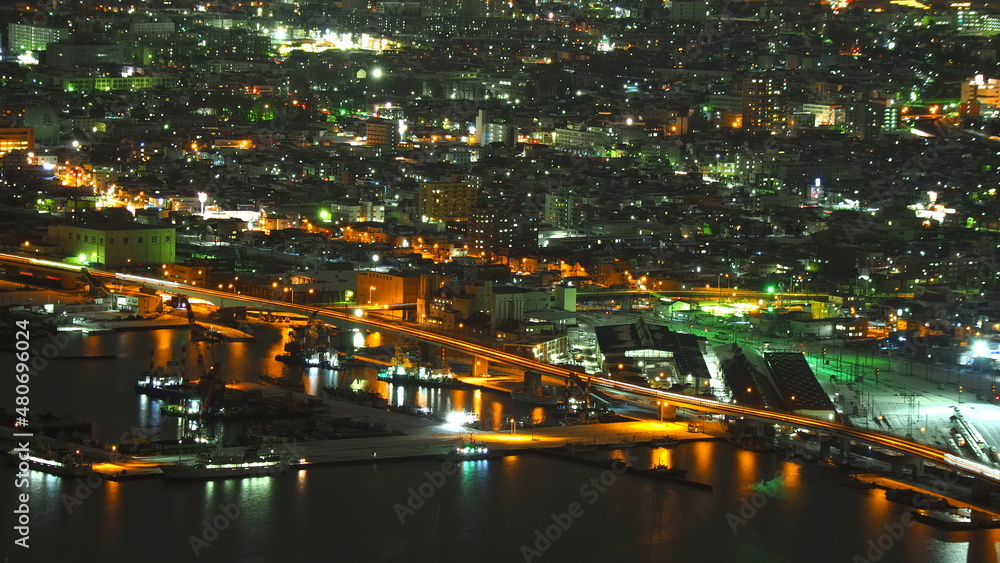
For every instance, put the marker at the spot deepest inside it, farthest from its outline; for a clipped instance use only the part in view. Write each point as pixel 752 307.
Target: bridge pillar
pixel 347 341
pixel 745 429
pixel 897 463
pixel 426 351
pixel 666 411
pixel 981 488
pixel 900 462
pixel 844 450
pixel 232 314
pixel 824 447
pixel 627 303
pixel 480 367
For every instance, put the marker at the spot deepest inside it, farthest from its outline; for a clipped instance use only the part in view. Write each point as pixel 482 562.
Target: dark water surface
pixel 489 511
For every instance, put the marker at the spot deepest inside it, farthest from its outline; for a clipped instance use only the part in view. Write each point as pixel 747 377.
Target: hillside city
pixel 812 178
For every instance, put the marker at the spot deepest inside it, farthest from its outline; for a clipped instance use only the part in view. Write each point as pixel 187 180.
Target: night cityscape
pixel 623 280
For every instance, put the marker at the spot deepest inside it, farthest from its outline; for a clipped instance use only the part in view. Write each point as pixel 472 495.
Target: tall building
pixel 980 96
pixel 567 209
pixel 688 10
pixel 589 140
pixel 17 139
pixel 24 38
pixel 386 288
pixel 488 133
pixel 978 22
pixel 864 119
pixel 489 231
pixel 446 201
pixel 382 132
pixel 67 55
pixel 764 102
pixel 115 244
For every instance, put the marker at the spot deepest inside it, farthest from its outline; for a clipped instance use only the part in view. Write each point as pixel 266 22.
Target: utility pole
pixel 911 401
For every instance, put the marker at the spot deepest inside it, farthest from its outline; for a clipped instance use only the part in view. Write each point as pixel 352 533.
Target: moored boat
pixel 281 382
pixel 621 445
pixel 166 381
pixel 226 467
pixel 60 462
pixel 359 396
pixel 953 519
pixel 573 447
pixel 916 499
pixel 472 451
pixel 661 472
pixel 664 442
pixel 166 387
pixel 854 482
pixel 536 396
pixel 402 370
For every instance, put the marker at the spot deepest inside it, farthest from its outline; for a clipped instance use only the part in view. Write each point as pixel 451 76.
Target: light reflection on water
pixel 661 456
pixel 492 508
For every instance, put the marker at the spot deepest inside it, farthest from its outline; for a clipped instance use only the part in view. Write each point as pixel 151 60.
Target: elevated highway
pixel 699 293
pixel 345 319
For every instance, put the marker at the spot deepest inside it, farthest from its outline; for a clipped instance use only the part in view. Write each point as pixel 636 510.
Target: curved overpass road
pixel 695 403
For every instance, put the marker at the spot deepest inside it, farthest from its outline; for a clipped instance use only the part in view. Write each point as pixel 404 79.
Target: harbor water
pixel 517 508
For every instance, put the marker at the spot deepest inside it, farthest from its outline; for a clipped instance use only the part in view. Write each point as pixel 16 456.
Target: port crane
pixel 209 382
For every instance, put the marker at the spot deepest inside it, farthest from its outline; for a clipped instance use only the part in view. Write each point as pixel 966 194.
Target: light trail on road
pixel 695 403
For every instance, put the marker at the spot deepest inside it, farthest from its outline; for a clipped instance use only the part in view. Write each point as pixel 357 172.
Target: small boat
pixel 206 335
pixel 916 499
pixel 60 463
pixel 580 447
pixel 166 387
pixel 227 466
pixel 311 360
pixel 953 519
pixel 621 445
pixel 755 446
pixel 166 381
pixel 535 396
pixel 402 370
pixel 664 442
pixel 281 382
pixel 360 396
pixel 854 482
pixel 661 472
pixel 175 410
pixel 472 451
